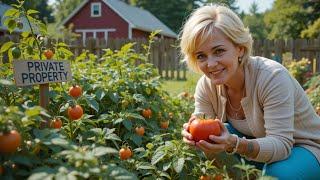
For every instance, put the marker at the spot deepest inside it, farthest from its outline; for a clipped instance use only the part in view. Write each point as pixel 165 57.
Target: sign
pixel 30 72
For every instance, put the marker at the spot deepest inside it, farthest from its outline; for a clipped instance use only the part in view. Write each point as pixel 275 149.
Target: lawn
pixel 174 87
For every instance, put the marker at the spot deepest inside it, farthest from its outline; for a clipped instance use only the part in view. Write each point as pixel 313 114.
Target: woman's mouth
pixel 216 72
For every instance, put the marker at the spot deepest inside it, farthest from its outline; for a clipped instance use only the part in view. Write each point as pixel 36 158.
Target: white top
pixel 241 126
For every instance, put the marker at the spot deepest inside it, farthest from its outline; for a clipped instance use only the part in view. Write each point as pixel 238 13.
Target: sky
pixel 242 4
pixel 263 5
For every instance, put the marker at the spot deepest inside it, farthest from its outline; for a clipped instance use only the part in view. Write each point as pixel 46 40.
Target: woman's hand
pixel 219 143
pixel 187 137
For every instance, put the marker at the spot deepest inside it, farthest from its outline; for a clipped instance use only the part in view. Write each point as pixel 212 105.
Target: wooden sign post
pixel 32 72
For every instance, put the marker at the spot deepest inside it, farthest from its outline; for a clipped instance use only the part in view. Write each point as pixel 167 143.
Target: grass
pixel 175 87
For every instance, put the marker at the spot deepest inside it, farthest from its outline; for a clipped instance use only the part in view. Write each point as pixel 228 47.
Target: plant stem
pixel 71 129
pixel 32 32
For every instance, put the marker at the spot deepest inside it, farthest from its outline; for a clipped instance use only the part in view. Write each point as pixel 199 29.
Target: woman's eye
pixel 200 57
pixel 219 51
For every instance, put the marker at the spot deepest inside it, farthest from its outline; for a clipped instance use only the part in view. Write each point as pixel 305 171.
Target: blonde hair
pixel 200 26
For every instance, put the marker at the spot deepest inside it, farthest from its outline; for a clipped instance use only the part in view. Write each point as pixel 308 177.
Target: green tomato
pixel 16 53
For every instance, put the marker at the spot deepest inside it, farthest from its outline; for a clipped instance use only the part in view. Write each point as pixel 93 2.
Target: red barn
pixel 114 19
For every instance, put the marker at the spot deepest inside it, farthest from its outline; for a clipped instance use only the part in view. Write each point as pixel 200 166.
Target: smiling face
pixel 217 57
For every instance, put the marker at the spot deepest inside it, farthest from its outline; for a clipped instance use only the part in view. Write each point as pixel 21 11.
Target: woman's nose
pixel 212 61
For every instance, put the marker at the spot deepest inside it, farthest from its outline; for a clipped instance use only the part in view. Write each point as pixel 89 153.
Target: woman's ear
pixel 241 50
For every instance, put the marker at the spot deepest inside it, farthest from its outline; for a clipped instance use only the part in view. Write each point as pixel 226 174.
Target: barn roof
pixel 137 18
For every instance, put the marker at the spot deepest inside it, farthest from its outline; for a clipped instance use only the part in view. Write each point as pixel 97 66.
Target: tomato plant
pixel 10 141
pixel 75 91
pixel 125 153
pixel 200 128
pixel 75 112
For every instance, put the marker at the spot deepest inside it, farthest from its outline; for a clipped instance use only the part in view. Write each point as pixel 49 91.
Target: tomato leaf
pixel 6 46
pixel 164 174
pixel 139 98
pixel 134 116
pixel 33 111
pixel 114 97
pixel 100 94
pixel 157 157
pixel 117 121
pixel 127 124
pixel 136 139
pixel 145 166
pixel 41 175
pixel 23 160
pixel 32 11
pixel 178 164
pixel 100 151
pixel 115 172
pixel 11 12
pixel 166 166
pixel 92 103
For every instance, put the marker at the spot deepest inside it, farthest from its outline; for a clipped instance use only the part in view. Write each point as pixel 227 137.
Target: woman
pixel 266 115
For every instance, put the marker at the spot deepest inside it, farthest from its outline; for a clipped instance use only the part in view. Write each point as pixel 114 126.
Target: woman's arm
pixel 247 147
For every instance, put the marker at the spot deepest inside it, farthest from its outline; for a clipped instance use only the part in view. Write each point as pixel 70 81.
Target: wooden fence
pixel 164 53
pixel 299 48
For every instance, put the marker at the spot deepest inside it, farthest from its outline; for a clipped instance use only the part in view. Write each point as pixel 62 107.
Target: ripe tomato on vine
pixel 48 54
pixel 147 113
pixel 10 141
pixel 125 153
pixel 140 130
pixel 75 112
pixel 56 123
pixel 75 91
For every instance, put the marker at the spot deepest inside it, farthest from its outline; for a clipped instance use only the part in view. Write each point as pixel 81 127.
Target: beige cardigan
pixel 276 107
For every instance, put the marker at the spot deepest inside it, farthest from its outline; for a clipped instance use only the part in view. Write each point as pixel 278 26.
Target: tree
pixel 254 21
pixel 171 13
pixel 288 18
pixel 64 8
pixel 229 3
pixel 313 29
pixel 45 11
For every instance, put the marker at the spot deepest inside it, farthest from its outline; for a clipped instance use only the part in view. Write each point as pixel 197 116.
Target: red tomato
pixel 75 112
pixel 9 142
pixel 75 91
pixel 48 54
pixel 147 113
pixel 205 177
pixel 56 123
pixel 218 177
pixel 125 153
pixel 140 130
pixel 200 129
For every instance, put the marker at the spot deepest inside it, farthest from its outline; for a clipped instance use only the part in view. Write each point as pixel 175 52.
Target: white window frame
pixel 92 9
pixel 94 31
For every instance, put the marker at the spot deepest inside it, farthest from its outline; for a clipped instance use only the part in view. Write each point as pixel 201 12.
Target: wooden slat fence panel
pixel 164 53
